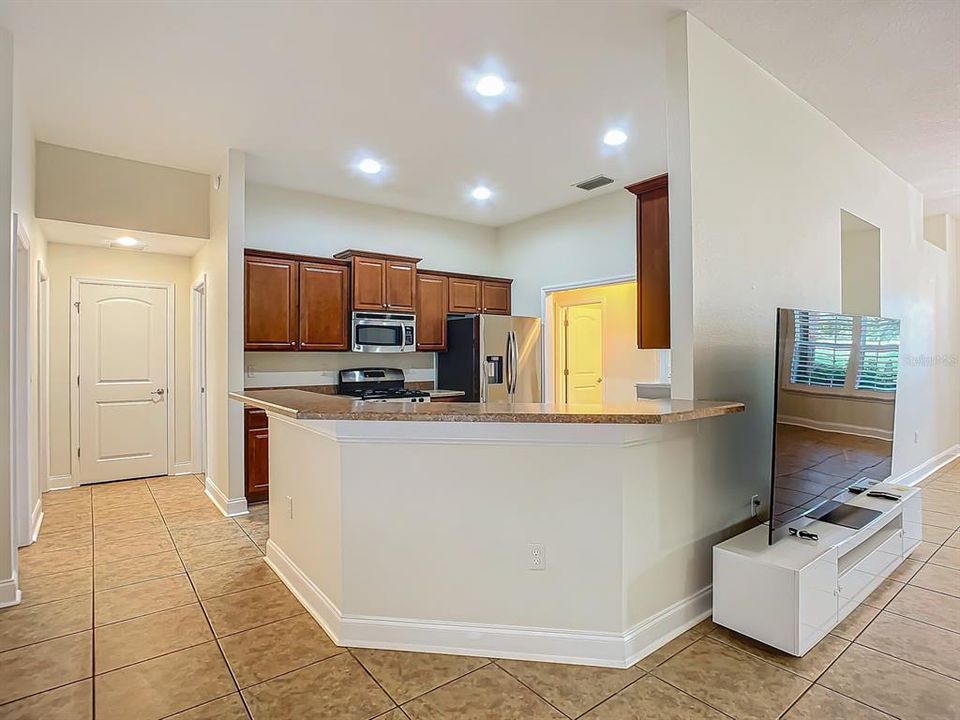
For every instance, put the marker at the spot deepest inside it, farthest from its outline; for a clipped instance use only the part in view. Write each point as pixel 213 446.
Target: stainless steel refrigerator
pixel 492 358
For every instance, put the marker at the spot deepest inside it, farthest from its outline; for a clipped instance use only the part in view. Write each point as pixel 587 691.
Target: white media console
pixel 791 594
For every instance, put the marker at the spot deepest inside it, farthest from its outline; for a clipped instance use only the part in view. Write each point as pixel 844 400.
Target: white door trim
pixel 75 283
pixel 22 511
pixel 43 377
pixel 198 374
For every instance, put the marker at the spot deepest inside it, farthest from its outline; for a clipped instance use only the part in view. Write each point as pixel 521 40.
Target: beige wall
pixel 66 261
pixel 859 266
pixel 623 364
pixel 86 187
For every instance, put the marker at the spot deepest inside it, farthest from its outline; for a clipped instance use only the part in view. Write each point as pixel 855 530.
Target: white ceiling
pixel 306 87
pixel 71 233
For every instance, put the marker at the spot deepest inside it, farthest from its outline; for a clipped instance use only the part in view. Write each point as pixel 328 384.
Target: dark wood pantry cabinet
pixel 653 263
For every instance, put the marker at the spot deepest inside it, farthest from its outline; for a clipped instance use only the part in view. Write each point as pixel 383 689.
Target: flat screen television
pixel 834 403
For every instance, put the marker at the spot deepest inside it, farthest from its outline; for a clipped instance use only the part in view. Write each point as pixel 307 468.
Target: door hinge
pixel 78 451
pixel 566 323
pixel 78 381
pixel 77 305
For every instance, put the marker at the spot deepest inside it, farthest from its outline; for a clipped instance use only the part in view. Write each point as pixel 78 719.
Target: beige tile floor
pixel 140 602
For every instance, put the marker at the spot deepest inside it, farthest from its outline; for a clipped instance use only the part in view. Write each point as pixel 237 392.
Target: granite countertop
pixel 307 405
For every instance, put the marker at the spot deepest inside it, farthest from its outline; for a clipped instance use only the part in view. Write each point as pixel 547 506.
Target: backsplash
pixel 276 369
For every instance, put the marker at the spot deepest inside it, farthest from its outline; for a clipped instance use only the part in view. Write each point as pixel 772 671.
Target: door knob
pixel 599 380
pixel 159 392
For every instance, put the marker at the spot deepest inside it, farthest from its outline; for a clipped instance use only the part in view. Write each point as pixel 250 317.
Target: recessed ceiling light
pixel 481 192
pixel 126 241
pixel 490 86
pixel 369 166
pixel 614 137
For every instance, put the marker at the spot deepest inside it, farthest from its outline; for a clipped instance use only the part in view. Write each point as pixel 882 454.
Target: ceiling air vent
pixel 594 182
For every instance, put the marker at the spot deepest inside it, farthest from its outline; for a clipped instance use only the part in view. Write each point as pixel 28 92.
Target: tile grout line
pixel 503 669
pixel 206 617
pixel 688 694
pixel 377 682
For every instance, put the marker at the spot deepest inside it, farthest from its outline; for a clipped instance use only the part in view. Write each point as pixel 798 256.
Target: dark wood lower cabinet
pixel 257 466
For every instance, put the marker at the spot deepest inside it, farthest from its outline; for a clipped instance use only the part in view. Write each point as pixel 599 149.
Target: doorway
pixel 43 377
pixel 581 353
pixel 122 398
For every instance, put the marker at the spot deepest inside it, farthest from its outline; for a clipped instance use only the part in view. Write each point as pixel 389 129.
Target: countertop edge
pixel 670 418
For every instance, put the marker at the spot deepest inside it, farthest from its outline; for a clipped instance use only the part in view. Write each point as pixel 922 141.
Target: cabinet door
pixel 401 285
pixel 653 269
pixel 270 303
pixel 369 283
pixel 324 306
pixel 431 312
pixel 495 297
pixel 464 295
pixel 257 466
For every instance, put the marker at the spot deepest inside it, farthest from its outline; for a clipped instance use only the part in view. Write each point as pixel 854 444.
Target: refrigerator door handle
pixel 508 361
pixel 514 359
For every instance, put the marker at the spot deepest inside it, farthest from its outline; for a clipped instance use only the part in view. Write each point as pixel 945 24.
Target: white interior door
pixel 584 353
pixel 122 354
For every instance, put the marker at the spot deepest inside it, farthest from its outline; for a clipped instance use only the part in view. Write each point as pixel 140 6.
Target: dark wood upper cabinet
pixel 653 263
pixel 324 306
pixel 256 454
pixel 382 282
pixel 271 294
pixel 431 311
pixel 464 295
pixel 368 284
pixel 401 285
pixel 495 297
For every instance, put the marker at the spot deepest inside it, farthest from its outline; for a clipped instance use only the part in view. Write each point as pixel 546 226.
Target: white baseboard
pixel 309 595
pixel 925 469
pixel 61 482
pixel 229 507
pixel 606 649
pixel 653 633
pixel 844 428
pixel 36 520
pixel 9 593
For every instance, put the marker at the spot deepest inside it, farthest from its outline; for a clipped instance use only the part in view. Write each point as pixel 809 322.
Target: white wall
pixel 8 560
pixel 940 230
pixel 96 189
pixel 591 240
pixel 68 261
pixel 221 263
pixel 758 178
pixel 24 172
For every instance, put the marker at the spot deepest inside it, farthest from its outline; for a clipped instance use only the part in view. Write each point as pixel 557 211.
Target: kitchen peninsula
pixel 529 530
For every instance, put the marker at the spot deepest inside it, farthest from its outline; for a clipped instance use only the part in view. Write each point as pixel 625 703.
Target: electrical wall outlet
pixel 289 507
pixel 538 556
pixel 755 506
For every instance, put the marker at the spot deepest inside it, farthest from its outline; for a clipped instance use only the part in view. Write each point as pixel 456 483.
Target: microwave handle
pixel 403 337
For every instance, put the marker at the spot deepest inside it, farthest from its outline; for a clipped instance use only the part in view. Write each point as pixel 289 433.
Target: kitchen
pixel 381 374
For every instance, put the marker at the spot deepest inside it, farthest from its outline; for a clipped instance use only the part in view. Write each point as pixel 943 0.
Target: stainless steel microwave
pixel 384 332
